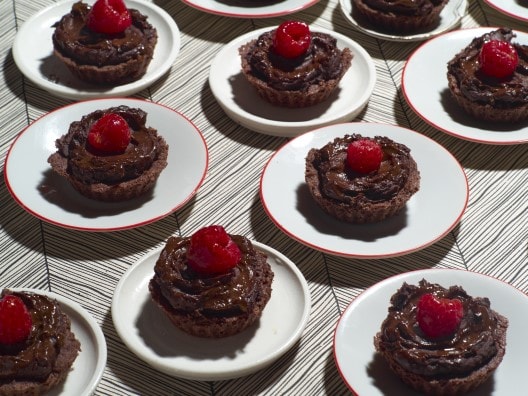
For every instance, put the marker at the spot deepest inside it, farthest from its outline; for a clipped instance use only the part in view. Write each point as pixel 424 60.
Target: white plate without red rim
pixel 365 373
pixel 250 9
pixel 516 9
pixel 147 331
pixel 428 216
pixel 450 18
pixel 243 105
pixel 33 53
pixel 428 63
pixel 87 369
pixel 44 194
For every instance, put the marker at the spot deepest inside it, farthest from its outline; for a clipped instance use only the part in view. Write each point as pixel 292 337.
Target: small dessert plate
pixel 250 9
pixel 51 198
pixel 428 216
pixel 367 373
pixel 517 9
pixel 148 332
pixel 33 53
pixel 428 63
pixel 241 102
pixel 450 18
pixel 87 369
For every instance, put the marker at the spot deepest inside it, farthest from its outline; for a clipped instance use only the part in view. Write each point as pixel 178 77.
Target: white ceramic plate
pixel 51 198
pixel 250 9
pixel 146 330
pixel 33 53
pixel 517 9
pixel 432 100
pixel 241 102
pixel 88 367
pixel 366 373
pixel 429 215
pixel 450 18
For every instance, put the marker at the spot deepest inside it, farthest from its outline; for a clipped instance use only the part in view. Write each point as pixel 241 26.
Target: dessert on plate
pixel 211 284
pixel 293 67
pixel 441 341
pixel 106 44
pixel 489 78
pixel 111 155
pixel 360 179
pixel 37 346
pixel 400 16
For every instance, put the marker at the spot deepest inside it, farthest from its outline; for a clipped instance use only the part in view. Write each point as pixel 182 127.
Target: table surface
pixel 491 237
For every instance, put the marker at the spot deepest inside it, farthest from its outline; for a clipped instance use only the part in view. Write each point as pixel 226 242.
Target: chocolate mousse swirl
pixel 34 360
pixel 503 93
pixel 472 346
pixel 76 41
pixel 338 182
pixel 321 62
pixel 90 167
pixel 404 7
pixel 217 296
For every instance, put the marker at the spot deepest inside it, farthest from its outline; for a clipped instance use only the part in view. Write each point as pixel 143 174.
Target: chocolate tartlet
pixel 44 360
pixel 297 82
pixel 211 306
pixel 104 59
pixel 449 365
pixel 361 198
pixel 115 177
pixel 400 16
pixel 503 100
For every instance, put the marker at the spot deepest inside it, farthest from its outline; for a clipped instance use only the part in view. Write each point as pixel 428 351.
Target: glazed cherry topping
pixel 212 251
pixel 109 17
pixel 438 317
pixel 292 39
pixel 110 134
pixel 364 155
pixel 15 320
pixel 498 59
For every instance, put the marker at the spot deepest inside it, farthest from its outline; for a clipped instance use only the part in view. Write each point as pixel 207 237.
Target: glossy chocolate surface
pixel 509 92
pixel 321 62
pixel 404 7
pixel 471 346
pixel 89 166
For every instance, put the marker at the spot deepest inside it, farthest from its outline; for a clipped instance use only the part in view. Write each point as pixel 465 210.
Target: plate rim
pixel 89 323
pixel 65 92
pixel 505 11
pixel 401 277
pixel 355 255
pixel 128 226
pixel 269 14
pixel 289 128
pixel 259 363
pixel 436 125
pixel 461 9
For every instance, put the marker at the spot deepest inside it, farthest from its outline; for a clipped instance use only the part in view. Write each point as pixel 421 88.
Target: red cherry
pixel 110 134
pixel 364 155
pixel 292 39
pixel 212 251
pixel 15 320
pixel 438 317
pixel 109 17
pixel 498 58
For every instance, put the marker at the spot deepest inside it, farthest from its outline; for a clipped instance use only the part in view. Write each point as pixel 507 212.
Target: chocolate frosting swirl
pixel 340 183
pixel 76 41
pixel 91 167
pixel 223 295
pixel 471 346
pixel 404 7
pixel 35 359
pixel 321 62
pixel 474 85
